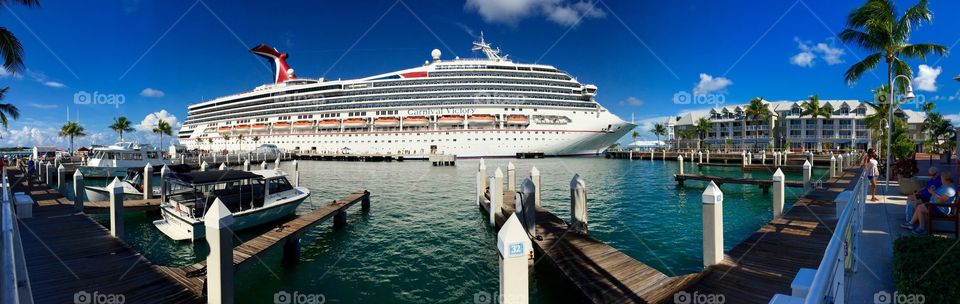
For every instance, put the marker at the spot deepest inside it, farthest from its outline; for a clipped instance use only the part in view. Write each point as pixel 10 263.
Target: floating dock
pixel 764 184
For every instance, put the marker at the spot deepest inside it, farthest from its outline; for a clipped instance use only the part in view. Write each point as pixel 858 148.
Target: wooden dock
pixel 70 254
pixel 290 232
pixel 794 159
pixel 766 263
pixel 128 206
pixel 598 272
pixel 764 184
pixel 353 157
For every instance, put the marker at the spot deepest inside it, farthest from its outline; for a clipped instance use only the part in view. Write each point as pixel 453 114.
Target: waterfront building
pixel 786 127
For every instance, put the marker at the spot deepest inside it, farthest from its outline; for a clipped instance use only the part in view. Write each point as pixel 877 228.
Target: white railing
pixel 839 257
pixel 15 285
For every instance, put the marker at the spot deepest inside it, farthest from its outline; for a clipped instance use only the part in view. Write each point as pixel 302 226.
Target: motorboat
pixel 132 183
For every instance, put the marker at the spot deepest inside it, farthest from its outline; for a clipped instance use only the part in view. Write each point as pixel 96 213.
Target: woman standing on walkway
pixel 871 168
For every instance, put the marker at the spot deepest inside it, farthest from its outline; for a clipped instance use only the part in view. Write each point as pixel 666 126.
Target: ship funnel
pixel 282 71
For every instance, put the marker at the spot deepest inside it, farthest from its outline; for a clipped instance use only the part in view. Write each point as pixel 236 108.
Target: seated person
pixel 946 195
pixel 923 194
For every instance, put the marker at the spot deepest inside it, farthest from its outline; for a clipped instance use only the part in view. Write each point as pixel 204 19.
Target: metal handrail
pixel 9 263
pixel 835 261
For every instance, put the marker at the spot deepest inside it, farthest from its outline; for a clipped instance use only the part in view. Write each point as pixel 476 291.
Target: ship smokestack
pixel 282 71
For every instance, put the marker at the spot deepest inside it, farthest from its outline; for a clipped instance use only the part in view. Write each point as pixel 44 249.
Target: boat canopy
pixel 215 176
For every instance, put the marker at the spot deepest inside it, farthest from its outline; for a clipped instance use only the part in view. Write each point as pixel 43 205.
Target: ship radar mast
pixel 489 51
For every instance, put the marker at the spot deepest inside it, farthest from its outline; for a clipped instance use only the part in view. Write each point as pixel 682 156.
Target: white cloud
pixel 150 121
pixel 708 84
pixel 512 11
pixel 926 79
pixel 42 105
pixel 53 84
pixel 632 101
pixel 810 51
pixel 645 125
pixel 148 92
pixel 30 136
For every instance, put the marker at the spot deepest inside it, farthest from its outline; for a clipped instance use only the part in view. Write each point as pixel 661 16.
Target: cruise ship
pixel 478 107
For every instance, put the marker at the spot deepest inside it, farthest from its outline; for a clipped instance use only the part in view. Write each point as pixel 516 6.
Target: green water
pixel 425 241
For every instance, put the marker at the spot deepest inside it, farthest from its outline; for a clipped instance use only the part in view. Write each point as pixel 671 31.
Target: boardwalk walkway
pixel 765 263
pixel 69 254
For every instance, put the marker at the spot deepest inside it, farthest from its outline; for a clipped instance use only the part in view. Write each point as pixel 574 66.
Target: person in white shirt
pixel 871 168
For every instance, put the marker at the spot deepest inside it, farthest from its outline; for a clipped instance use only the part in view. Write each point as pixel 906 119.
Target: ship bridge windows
pixel 388 112
pixel 305 116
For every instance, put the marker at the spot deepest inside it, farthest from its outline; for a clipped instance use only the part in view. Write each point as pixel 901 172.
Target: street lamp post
pixel 908 96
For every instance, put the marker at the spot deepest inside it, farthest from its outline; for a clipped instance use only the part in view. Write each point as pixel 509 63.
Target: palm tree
pixel 6 108
pixel 121 124
pixel 163 127
pixel 702 127
pixel 658 130
pixel 938 127
pixel 875 28
pixel 210 141
pixel 635 134
pixel 240 142
pixel 814 109
pixel 71 129
pixel 755 112
pixel 877 121
pixel 255 139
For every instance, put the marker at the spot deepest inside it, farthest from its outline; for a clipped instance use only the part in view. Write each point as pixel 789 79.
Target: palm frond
pixel 27 3
pixel 920 51
pixel 856 71
pixel 11 51
pixel 914 15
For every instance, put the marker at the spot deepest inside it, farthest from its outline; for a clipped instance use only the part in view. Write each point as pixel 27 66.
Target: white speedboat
pixel 133 184
pixel 254 198
pixel 114 160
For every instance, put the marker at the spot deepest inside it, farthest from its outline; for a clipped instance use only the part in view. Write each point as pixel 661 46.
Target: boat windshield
pixel 237 195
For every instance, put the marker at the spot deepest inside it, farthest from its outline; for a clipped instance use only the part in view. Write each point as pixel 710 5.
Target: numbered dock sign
pixel 515 250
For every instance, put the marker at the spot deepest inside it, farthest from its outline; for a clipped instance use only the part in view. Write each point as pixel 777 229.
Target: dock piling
pixel 340 218
pixel 263 165
pixel 164 174
pixel 839 164
pixel 512 177
pixel 807 173
pixel 749 158
pixel 763 158
pixel 578 205
pixel 535 177
pixel 296 172
pixel 203 166
pixel 223 166
pixel 116 208
pixel 708 156
pixel 78 190
pixel 699 157
pixel 220 260
pixel 516 251
pixel 365 201
pixel 680 163
pixel 481 180
pixel 147 181
pixel 833 166
pixel 778 181
pixel 46 172
pixel 496 196
pixel 246 164
pixel 276 163
pixel 291 249
pixel 712 204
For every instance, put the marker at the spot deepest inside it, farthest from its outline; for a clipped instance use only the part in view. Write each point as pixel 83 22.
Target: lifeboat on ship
pixel 259 127
pixel 329 123
pixel 521 120
pixel 355 122
pixel 242 127
pixel 281 124
pixel 386 122
pixel 224 129
pixel 415 121
pixel 482 119
pixel 210 130
pixel 303 124
pixel 449 120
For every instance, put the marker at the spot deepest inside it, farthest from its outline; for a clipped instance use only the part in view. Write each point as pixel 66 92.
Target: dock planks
pixel 766 263
pixel 719 180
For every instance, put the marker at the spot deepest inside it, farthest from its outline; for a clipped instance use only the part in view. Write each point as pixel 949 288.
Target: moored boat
pixel 386 122
pixel 449 120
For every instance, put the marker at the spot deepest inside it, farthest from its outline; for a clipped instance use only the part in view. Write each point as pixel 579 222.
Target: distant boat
pixel 254 198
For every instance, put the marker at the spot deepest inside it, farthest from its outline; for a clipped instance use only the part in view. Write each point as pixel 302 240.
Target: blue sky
pixel 163 55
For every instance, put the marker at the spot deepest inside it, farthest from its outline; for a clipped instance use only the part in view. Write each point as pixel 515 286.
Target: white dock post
pixel 223 166
pixel 664 154
pixel 699 157
pixel 263 165
pixel 512 177
pixel 203 166
pixel 535 177
pixel 482 170
pixel 246 164
pixel 743 159
pixel 182 159
pixel 147 181
pixel 763 158
pixel 496 196
pixel 164 174
pixel 116 208
pixel 807 168
pixel 61 179
pixel 778 181
pixel 749 158
pixel 839 163
pixel 276 163
pixel 680 163
pixel 220 261
pixel 708 156
pixel 214 157
pixel 712 203
pixel 578 205
pixel 776 159
pixel 516 251
pixel 296 172
pixel 46 172
pixel 833 166
pixel 78 190
pixel 651 154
